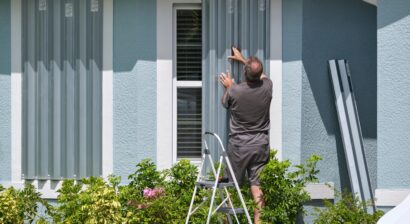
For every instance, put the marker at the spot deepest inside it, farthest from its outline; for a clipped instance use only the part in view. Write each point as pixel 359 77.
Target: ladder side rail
pixel 228 163
pixel 190 211
pixel 214 191
pixel 208 152
pixel 231 204
pixel 229 201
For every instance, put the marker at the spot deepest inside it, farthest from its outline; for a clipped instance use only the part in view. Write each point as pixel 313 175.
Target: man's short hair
pixel 253 69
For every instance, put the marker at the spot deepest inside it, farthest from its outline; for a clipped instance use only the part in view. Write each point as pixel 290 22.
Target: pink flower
pixel 153 193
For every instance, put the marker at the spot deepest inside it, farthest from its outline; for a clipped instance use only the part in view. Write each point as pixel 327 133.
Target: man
pixel 248 103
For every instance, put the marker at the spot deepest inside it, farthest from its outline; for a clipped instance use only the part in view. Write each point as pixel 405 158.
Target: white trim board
pixel 107 90
pixel 276 76
pixel 390 197
pixel 321 191
pixel 16 92
pixel 16 96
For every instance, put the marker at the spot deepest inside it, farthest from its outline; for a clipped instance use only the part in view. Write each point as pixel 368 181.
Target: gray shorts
pixel 250 159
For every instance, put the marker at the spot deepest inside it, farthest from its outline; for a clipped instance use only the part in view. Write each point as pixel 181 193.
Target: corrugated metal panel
pixel 62 61
pixel 243 23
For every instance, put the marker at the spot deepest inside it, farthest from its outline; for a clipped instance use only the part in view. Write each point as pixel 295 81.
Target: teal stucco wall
pixel 134 115
pixel 315 31
pixel 393 83
pixel 292 23
pixel 5 92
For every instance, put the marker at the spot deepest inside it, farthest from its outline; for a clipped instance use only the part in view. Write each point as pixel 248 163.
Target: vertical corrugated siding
pixel 62 84
pixel 243 23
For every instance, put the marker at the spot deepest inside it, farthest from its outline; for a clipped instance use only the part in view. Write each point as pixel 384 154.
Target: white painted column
pixel 16 92
pixel 276 76
pixel 107 90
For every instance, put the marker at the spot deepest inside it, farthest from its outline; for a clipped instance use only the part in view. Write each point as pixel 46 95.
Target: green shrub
pixel 171 204
pixel 146 176
pixel 158 196
pixel 9 208
pixel 348 209
pixel 283 188
pixel 18 206
pixel 90 201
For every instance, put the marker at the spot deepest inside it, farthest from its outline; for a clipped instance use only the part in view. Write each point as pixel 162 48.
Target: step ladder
pixel 226 205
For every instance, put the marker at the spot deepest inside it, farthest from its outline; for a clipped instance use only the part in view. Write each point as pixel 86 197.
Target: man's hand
pixel 237 56
pixel 226 80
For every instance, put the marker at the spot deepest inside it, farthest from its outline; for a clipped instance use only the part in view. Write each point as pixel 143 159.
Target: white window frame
pixel 48 188
pixel 275 72
pixel 179 84
pixel 166 154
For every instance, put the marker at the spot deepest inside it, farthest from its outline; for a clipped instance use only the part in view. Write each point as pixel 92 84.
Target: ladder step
pixel 230 210
pixel 210 184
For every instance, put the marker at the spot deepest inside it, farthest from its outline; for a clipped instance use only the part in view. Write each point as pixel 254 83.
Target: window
pixel 187 82
pixel 62 89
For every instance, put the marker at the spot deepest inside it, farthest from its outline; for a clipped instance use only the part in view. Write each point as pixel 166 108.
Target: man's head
pixel 253 69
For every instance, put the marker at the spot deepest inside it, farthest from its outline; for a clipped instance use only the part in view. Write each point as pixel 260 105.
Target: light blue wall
pixel 314 32
pixel 5 92
pixel 393 94
pixel 345 30
pixel 292 69
pixel 134 84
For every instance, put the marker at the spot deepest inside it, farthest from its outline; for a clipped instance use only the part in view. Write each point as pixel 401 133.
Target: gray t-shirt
pixel 249 105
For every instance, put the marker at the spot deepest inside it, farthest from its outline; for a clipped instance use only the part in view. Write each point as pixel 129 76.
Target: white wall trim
pixel 390 197
pixel 164 81
pixel 321 191
pixel 189 84
pixel 276 76
pixel 107 90
pixel 16 92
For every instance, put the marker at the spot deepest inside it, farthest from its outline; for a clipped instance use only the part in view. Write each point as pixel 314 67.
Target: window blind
pixel 189 45
pixel 189 122
pixel 62 61
pixel 188 70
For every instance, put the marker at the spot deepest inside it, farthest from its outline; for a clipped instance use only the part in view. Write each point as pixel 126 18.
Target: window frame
pixel 180 84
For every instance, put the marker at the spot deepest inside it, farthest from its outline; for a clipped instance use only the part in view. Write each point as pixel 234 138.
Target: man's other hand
pixel 226 80
pixel 237 56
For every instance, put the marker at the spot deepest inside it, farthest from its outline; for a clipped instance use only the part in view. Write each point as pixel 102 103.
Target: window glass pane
pixel 189 45
pixel 189 122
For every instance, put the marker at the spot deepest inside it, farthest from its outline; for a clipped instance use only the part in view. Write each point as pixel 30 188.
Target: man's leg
pixel 258 198
pixel 260 159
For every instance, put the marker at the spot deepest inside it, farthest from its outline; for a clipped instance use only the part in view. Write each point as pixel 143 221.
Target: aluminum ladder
pixel 215 185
